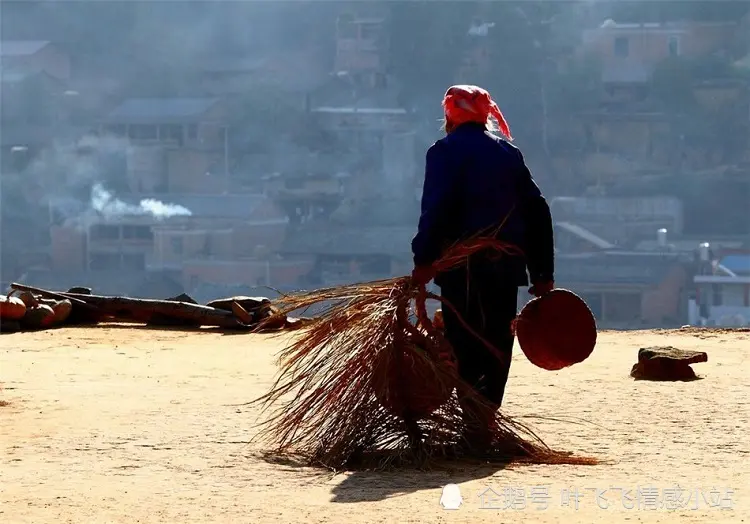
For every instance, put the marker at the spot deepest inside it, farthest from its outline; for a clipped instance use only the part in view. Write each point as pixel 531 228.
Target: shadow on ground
pixel 372 486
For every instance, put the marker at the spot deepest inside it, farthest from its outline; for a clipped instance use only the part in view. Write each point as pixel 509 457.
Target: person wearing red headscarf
pixel 477 182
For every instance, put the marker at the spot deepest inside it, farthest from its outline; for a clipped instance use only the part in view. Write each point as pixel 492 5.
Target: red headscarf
pixel 467 103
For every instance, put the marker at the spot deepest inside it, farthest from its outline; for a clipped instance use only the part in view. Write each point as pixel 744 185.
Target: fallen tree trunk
pixel 82 312
pixel 143 310
pixel 148 310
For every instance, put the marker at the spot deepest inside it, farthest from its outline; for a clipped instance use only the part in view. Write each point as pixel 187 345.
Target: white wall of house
pixel 726 300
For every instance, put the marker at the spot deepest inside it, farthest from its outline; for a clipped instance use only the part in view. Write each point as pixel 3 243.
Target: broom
pixel 362 387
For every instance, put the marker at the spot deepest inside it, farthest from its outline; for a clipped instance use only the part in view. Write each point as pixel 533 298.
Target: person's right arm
pixel 540 245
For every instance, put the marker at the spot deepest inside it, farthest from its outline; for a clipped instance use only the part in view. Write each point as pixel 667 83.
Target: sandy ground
pixel 123 424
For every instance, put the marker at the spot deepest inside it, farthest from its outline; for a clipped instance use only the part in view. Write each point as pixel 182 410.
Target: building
pixel 293 72
pixel 377 135
pixel 630 52
pixel 178 145
pixel 362 43
pixel 628 289
pixel 305 197
pixel 720 300
pixel 722 290
pixel 347 254
pixel 628 117
pixel 224 236
pixel 35 55
pixel 476 61
pixel 621 220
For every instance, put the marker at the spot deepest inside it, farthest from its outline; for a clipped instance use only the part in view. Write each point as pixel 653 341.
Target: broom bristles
pixel 328 397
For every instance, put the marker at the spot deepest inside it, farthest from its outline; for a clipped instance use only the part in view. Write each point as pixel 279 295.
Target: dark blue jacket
pixel 474 182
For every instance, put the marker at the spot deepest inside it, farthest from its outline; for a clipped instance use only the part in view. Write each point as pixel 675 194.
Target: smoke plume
pixel 105 203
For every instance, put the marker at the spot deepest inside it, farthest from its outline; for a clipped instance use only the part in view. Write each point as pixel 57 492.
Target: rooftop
pixel 160 109
pixel 384 240
pixel 237 207
pixel 22 47
pixel 616 268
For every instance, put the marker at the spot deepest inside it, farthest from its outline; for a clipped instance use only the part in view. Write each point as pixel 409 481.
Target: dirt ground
pixel 123 424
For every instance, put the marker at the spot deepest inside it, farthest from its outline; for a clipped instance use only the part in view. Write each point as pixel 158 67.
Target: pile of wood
pixel 26 308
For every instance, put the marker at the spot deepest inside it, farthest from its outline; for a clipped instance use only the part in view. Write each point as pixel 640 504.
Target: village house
pixel 630 52
pixel 296 72
pixel 305 196
pixel 628 289
pixel 721 287
pixel 226 239
pixel 176 145
pixel 378 246
pixel 35 55
pixel 347 254
pixel 629 119
pixel 476 61
pixel 362 42
pixel 358 111
pixel 622 221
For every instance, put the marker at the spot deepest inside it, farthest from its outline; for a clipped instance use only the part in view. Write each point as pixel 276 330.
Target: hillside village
pixel 300 165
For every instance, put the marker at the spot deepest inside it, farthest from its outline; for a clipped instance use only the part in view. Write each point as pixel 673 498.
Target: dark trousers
pixel 488 304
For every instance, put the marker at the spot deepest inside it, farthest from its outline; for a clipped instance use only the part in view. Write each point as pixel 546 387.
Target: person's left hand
pixel 539 289
pixel 421 275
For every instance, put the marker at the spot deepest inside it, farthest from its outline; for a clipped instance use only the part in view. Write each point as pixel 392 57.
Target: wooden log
pixel 81 313
pixel 144 309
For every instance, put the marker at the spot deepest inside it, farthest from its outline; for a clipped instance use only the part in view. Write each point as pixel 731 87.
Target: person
pixel 477 182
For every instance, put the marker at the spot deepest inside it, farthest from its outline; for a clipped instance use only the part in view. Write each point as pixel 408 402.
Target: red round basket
pixel 557 330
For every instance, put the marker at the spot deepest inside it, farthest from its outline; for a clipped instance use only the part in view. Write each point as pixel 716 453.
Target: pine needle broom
pixel 362 387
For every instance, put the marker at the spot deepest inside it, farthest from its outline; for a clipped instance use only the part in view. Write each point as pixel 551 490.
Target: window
pixel 370 31
pixel 192 131
pixel 99 232
pixel 716 295
pixel 119 130
pixel 171 132
pixel 143 132
pixel 134 261
pixel 674 45
pixel 137 232
pixel 177 245
pixel 622 46
pixel 732 295
pixel 104 261
pixel 347 28
pixel 381 81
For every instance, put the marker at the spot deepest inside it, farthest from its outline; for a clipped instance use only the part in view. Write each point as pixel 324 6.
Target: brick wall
pixel 68 249
pixel 246 272
pixel 187 168
pixel 664 302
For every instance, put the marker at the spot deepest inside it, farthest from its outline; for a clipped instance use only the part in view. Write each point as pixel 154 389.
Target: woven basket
pixel 556 330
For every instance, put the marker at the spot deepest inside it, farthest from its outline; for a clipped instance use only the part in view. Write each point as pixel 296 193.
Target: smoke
pixel 105 203
pixel 79 180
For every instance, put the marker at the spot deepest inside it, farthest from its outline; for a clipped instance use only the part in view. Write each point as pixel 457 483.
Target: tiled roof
pixel 209 206
pixel 160 109
pixel 332 240
pixel 21 47
pixel 615 268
